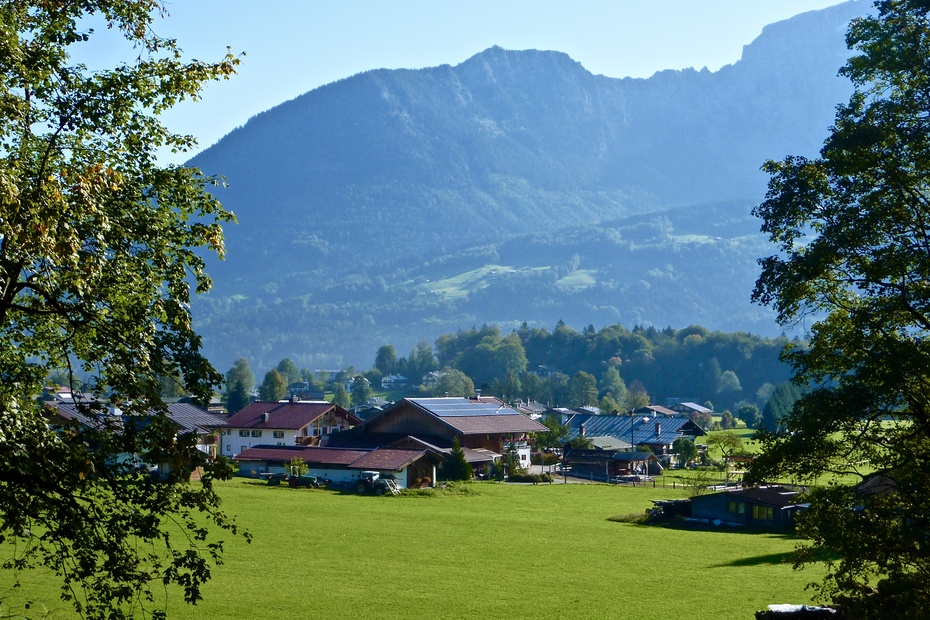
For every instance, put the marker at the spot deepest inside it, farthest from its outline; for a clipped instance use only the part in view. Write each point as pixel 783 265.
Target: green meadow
pixel 482 550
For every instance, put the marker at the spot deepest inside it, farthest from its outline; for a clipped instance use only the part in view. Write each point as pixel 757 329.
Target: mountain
pixel 395 205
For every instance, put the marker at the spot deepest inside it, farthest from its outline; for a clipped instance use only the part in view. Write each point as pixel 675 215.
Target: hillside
pixel 395 205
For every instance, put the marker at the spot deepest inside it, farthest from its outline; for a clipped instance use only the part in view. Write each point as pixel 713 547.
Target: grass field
pixel 500 551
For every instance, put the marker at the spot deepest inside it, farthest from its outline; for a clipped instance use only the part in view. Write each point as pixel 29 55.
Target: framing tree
pixel 99 247
pixel 853 234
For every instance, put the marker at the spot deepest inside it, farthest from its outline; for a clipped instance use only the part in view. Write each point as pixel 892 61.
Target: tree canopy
pixel 100 247
pixel 853 253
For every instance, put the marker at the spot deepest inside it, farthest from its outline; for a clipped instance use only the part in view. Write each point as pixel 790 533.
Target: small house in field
pixel 772 506
pixel 284 423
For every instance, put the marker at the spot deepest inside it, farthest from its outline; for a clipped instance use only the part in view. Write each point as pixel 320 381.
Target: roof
pixel 311 454
pixel 475 417
pixel 657 409
pixel 600 455
pixel 607 442
pixel 660 430
pixel 288 415
pixel 696 407
pixel 773 495
pixel 382 458
pixel 189 418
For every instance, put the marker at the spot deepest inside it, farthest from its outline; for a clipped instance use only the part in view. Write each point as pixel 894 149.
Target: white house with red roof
pixel 283 423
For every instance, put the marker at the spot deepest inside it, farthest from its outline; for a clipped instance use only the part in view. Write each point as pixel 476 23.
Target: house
pixel 86 412
pixel 485 429
pixel 658 433
pixel 771 506
pixel 283 423
pixel 690 408
pixel 409 466
pixel 393 382
pixel 655 411
pixel 431 378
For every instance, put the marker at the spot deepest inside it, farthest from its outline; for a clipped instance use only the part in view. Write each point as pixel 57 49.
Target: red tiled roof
pixel 386 458
pixel 476 425
pixel 311 454
pixel 284 415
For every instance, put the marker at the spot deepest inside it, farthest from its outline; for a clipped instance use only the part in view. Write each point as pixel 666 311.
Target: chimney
pixel 583 431
pixel 265 417
pixel 658 428
pixel 295 398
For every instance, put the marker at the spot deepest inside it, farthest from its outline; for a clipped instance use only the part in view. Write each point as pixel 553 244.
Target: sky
pixel 294 46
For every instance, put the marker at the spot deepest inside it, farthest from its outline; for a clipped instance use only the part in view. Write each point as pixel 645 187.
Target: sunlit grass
pixel 495 551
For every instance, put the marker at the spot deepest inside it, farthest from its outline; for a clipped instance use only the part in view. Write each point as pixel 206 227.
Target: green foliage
pixel 342 398
pixel 750 415
pixel 453 382
pixel 583 390
pixel 386 359
pixel 361 391
pixel 685 449
pixel 99 250
pixel 273 388
pixel 288 369
pixel 852 249
pixel 239 384
pixel 297 466
pixel 455 467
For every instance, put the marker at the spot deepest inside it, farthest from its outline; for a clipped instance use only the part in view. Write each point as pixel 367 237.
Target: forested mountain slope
pixel 592 199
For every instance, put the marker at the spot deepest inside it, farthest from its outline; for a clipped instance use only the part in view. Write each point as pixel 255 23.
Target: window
pixel 242 448
pixel 736 508
pixel 243 433
pixel 278 434
pixel 256 433
pixel 763 513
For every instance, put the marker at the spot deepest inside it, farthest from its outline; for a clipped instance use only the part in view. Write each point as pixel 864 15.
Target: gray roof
pixel 661 430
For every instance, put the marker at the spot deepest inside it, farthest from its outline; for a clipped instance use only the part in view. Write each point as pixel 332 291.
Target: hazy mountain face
pixel 376 208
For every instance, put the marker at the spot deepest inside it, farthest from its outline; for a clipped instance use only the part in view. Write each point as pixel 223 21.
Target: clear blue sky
pixel 294 46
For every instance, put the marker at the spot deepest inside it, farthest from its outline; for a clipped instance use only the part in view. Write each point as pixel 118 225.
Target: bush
pixel 534 478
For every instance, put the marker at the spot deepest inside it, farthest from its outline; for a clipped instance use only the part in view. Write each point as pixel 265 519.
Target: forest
pixel 613 368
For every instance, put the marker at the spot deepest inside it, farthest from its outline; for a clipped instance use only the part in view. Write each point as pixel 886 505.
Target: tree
pixel 584 389
pixel 750 415
pixel 727 421
pixel 554 437
pixel 727 443
pixel 685 449
pixel 386 359
pixel 454 382
pixel 853 251
pixel 273 388
pixel 342 398
pixel 239 384
pixel 288 369
pixel 99 250
pixel 361 391
pixel 612 383
pixel 456 467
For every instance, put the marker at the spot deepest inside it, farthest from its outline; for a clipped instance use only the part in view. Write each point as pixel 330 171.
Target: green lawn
pixel 504 551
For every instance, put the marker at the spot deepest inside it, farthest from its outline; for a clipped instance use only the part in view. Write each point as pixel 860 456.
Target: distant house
pixel 431 378
pixel 763 506
pixel 393 382
pixel 301 390
pixel 284 423
pixel 659 432
pixel 656 410
pixel 410 466
pixel 83 411
pixel 484 428
pixel 690 408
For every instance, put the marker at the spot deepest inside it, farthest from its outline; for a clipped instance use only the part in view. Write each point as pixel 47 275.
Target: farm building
pixel 284 423
pixel 410 467
pixel 607 465
pixel 484 429
pixel 658 432
pixel 763 506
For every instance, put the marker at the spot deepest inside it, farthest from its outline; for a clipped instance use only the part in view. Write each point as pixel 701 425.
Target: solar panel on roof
pixel 451 407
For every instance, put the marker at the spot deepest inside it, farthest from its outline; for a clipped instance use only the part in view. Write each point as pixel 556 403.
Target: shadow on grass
pixel 758 560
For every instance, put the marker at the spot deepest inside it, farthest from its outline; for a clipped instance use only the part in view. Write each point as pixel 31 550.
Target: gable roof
pixel 773 495
pixel 660 430
pixel 287 415
pixel 475 417
pixel 187 417
pixel 380 459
